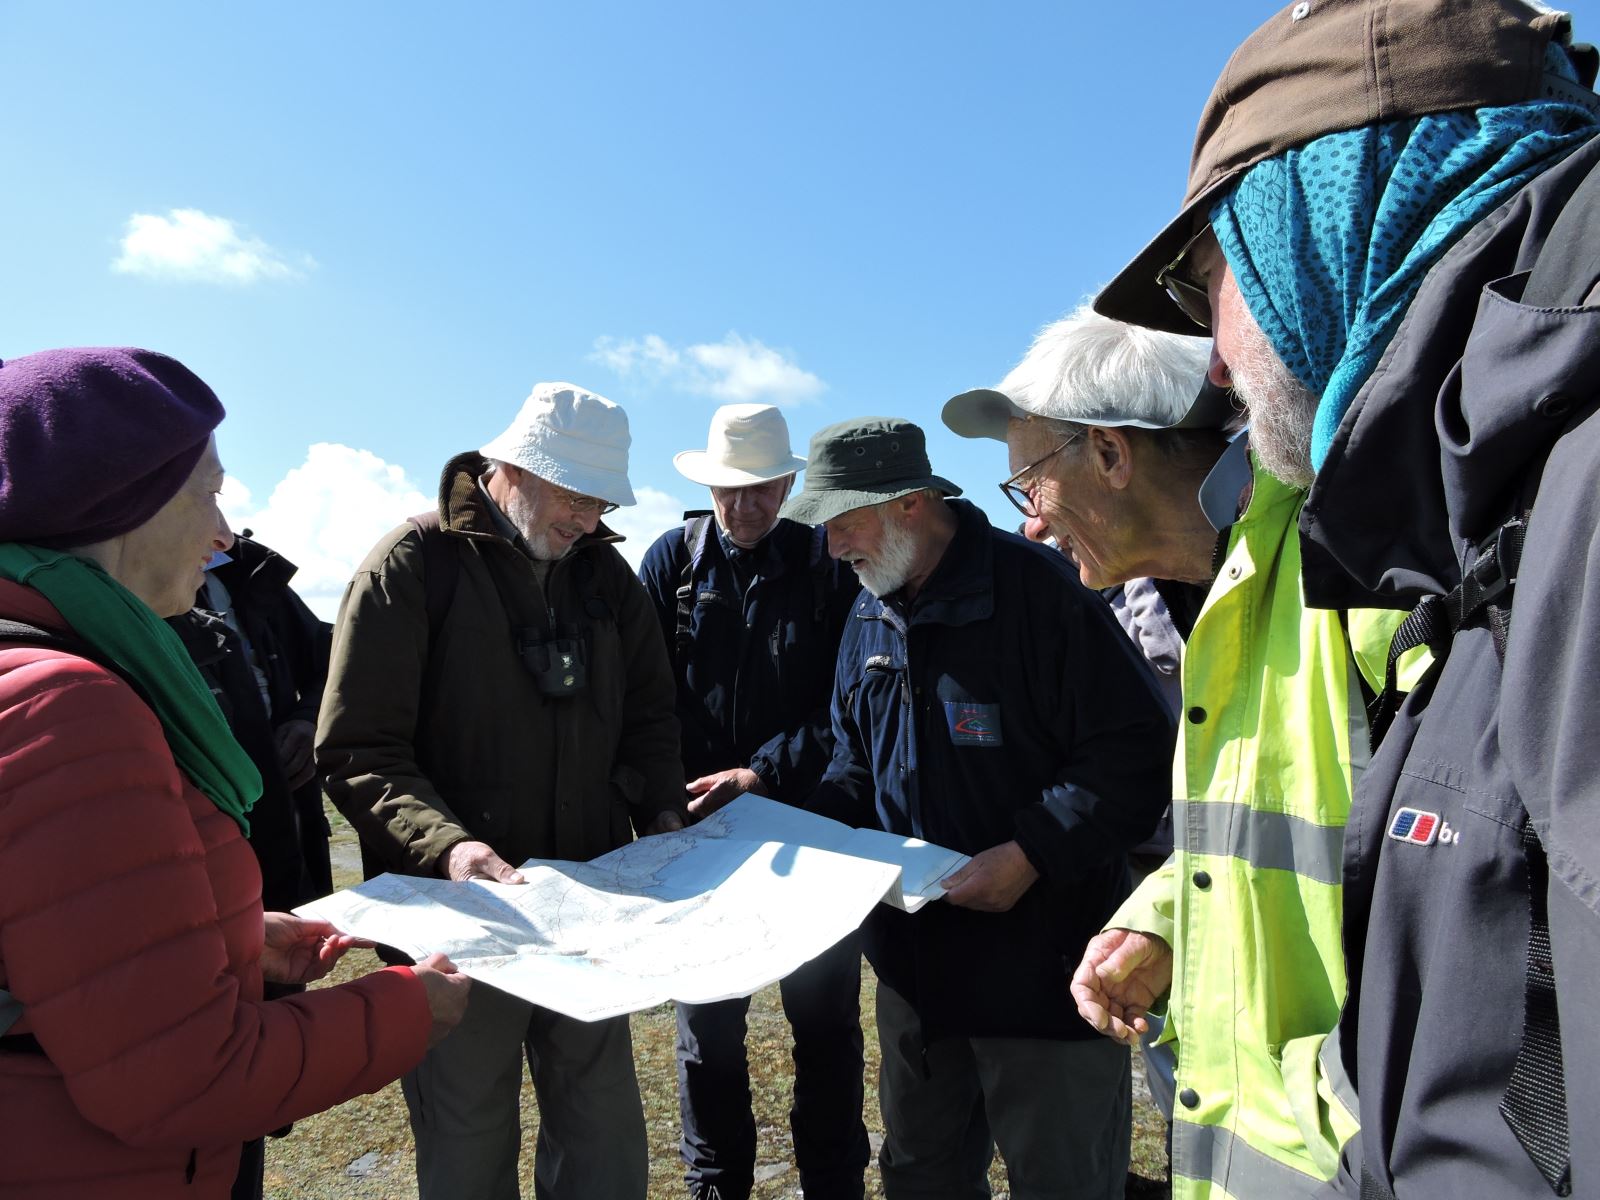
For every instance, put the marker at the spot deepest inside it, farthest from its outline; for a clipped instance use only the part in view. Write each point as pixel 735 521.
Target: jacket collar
pixel 465 512
pixel 768 557
pixel 251 565
pixel 961 588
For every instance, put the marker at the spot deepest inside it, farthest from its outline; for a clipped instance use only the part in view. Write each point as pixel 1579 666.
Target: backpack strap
pixel 696 531
pixel 1486 586
pixel 441 570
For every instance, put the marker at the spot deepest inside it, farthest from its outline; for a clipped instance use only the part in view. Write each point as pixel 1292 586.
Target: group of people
pixel 1311 591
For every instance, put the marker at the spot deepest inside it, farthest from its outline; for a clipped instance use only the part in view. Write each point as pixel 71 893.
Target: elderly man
pixel 499 691
pixel 751 607
pixel 1261 803
pixel 1389 232
pixel 984 701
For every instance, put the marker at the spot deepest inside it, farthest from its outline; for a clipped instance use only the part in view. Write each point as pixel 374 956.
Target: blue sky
pixel 371 228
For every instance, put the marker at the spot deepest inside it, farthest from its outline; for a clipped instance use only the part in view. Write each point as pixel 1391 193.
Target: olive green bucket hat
pixel 857 463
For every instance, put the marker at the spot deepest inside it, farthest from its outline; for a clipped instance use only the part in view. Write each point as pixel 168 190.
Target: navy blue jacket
pixel 1004 703
pixel 755 680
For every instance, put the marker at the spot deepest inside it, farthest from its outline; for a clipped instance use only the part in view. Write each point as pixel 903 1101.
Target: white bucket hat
pixel 748 444
pixel 572 438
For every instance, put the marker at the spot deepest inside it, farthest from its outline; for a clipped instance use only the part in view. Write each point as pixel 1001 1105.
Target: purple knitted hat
pixel 94 441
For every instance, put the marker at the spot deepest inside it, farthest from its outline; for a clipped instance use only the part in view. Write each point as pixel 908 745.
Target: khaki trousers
pixel 464 1098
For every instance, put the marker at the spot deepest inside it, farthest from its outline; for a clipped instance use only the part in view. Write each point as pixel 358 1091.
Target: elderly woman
pixel 136 1053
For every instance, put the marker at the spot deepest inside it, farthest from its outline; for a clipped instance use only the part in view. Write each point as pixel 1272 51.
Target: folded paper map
pixel 717 910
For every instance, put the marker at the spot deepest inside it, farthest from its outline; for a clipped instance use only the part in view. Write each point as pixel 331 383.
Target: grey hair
pixel 1091 369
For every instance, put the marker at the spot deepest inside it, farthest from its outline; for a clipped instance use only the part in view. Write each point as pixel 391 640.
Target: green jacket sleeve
pixel 365 732
pixel 1150 908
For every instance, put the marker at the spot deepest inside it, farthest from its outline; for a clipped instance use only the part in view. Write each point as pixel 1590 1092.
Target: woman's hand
pixel 300 951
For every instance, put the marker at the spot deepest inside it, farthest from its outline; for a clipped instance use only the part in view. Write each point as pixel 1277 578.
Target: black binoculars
pixel 559 663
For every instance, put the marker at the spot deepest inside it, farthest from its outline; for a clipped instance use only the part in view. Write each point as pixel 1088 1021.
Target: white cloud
pixel 326 514
pixel 642 523
pixel 189 246
pixel 735 369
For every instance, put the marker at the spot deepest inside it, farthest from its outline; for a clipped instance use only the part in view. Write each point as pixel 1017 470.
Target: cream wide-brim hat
pixel 571 437
pixel 748 444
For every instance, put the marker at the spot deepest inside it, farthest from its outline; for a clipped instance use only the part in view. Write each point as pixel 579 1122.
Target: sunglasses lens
pixel 1193 301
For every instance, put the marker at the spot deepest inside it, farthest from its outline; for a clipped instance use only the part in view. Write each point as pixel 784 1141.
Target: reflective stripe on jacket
pixel 1272 734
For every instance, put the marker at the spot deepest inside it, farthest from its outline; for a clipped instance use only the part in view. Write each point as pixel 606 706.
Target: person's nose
pixel 1036 529
pixel 222 539
pixel 836 545
pixel 1217 372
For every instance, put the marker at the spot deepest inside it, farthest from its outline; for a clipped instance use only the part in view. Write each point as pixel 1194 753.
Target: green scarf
pixel 120 626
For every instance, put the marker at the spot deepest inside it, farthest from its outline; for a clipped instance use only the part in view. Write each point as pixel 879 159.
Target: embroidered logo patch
pixel 973 724
pixel 1415 826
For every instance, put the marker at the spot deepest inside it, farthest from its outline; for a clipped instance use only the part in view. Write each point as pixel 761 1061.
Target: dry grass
pixel 362 1150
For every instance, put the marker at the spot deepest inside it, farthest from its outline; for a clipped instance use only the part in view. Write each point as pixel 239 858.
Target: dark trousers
pixel 823 1003
pixel 250 1182
pixel 1060 1113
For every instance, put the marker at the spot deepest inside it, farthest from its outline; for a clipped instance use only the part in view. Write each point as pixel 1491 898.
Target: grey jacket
pixel 1476 394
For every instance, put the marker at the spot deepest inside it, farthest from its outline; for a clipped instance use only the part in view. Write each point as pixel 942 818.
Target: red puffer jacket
pixel 130 930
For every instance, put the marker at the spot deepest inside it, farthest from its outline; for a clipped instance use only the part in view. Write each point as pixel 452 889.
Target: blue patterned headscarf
pixel 1330 241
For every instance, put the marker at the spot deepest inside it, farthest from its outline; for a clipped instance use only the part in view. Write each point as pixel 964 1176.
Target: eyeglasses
pixel 1021 494
pixel 1193 300
pixel 583 504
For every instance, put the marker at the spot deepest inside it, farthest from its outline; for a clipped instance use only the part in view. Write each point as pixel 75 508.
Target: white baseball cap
pixel 571 437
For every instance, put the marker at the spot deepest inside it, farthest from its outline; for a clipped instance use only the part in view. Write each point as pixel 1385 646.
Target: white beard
pixel 897 556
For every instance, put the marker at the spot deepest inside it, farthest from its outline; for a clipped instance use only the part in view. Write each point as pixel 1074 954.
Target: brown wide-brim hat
pixel 1324 66
pixel 857 463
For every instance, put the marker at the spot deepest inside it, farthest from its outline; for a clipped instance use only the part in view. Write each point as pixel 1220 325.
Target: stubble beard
pixel 1283 411
pixel 524 514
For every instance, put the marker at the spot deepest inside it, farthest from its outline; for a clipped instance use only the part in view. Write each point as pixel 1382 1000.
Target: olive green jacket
pixel 422 746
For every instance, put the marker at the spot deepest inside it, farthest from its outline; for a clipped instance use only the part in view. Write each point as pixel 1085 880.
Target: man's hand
pixel 295 741
pixel 711 792
pixel 474 860
pixel 667 821
pixel 296 950
pixel 1122 974
pixel 447 990
pixel 992 881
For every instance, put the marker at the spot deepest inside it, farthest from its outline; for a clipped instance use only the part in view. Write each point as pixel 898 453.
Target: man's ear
pixel 1111 452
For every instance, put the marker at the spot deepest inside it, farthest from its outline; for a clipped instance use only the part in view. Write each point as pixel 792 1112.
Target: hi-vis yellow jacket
pixel 1272 737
